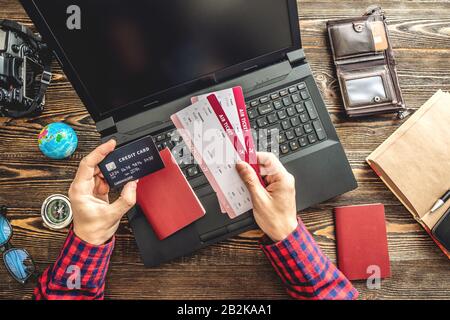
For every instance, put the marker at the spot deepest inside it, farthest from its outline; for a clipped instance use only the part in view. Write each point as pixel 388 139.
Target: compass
pixel 56 212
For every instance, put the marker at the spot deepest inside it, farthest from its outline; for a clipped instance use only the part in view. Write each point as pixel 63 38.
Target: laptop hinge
pixel 106 126
pixel 296 57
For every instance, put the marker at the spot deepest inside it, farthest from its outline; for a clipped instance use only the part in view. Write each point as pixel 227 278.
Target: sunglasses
pixel 17 261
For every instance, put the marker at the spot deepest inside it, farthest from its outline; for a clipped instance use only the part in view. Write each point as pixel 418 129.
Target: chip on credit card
pixel 130 162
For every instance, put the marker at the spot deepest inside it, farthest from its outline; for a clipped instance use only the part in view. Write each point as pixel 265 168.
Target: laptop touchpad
pixel 214 218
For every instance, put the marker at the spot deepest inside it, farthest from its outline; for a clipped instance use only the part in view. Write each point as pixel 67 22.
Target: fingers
pixel 101 189
pixel 126 200
pixel 269 164
pixel 250 178
pixel 98 173
pixel 271 167
pixel 88 166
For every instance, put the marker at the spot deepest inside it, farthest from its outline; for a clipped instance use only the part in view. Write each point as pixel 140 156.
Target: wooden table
pixel 237 269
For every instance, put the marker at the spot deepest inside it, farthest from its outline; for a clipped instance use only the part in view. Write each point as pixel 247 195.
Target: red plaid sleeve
pixel 306 272
pixel 78 273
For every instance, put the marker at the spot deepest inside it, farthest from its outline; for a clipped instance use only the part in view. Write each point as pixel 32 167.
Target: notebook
pixel 362 241
pixel 414 162
pixel 167 200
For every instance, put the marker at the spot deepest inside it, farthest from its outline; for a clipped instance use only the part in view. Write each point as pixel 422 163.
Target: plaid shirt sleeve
pixel 306 272
pixel 78 273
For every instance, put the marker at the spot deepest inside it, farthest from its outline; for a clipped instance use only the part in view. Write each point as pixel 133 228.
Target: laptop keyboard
pixel 290 111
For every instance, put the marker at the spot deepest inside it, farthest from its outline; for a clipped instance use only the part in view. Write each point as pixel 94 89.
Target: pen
pixel 441 201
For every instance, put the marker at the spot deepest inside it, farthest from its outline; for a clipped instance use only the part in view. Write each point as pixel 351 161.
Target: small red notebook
pixel 167 199
pixel 362 241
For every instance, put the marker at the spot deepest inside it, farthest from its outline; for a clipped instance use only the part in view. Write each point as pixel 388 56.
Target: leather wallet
pixel 365 65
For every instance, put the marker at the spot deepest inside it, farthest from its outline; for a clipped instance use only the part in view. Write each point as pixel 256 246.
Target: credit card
pixel 130 162
pixel 379 35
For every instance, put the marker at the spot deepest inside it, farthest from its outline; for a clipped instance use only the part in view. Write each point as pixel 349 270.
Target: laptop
pixel 134 63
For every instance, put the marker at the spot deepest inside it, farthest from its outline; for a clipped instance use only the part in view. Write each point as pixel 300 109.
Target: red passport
pixel 167 199
pixel 362 247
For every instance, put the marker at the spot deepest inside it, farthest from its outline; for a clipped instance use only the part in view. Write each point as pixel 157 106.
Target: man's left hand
pixel 95 220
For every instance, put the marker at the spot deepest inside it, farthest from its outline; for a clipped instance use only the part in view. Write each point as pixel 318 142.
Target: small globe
pixel 58 141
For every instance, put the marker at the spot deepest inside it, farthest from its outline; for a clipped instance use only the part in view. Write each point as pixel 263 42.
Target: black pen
pixel 441 201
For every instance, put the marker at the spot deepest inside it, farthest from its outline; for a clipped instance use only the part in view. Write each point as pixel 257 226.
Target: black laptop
pixel 134 63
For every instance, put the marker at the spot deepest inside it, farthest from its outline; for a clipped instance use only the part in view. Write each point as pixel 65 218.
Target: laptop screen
pixel 124 51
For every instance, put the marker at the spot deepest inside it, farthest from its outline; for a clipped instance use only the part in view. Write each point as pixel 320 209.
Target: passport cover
pixel 362 240
pixel 167 199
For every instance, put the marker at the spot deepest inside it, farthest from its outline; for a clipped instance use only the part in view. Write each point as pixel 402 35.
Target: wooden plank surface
pixel 236 268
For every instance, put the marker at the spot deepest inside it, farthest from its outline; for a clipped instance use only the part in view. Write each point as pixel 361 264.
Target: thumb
pixel 250 178
pixel 126 200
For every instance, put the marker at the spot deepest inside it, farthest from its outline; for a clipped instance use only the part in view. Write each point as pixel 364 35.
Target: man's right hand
pixel 274 207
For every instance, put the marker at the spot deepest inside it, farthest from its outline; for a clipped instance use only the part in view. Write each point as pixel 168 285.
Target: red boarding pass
pixel 244 153
pixel 251 157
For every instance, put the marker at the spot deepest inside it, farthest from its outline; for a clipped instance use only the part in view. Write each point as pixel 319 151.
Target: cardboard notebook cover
pixel 415 161
pixel 167 200
pixel 362 241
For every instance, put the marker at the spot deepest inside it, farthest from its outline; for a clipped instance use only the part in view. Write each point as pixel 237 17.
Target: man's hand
pixel 274 208
pixel 95 220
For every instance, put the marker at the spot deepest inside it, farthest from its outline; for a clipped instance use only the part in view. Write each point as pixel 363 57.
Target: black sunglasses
pixel 17 261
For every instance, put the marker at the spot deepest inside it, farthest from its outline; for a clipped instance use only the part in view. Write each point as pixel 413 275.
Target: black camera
pixel 25 71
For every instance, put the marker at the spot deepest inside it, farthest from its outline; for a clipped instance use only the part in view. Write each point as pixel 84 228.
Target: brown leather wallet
pixel 365 65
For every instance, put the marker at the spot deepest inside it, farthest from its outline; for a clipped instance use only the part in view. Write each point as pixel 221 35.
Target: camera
pixel 25 71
